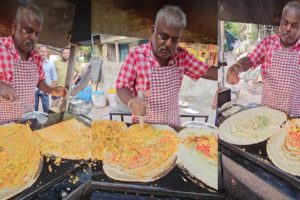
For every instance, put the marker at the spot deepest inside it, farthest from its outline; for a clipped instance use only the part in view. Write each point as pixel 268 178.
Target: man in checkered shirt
pixel 279 57
pixel 21 66
pixel 150 78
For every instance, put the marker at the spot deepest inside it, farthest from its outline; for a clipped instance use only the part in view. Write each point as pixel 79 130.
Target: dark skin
pixel 25 36
pixel 289 30
pixel 164 39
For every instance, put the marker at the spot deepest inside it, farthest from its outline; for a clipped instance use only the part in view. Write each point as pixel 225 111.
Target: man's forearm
pixel 244 63
pixel 44 87
pixel 124 95
pixel 211 74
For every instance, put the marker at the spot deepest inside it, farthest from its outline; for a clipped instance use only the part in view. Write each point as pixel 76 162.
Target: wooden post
pixel 69 76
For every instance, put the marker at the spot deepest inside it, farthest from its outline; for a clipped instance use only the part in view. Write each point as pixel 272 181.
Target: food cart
pixel 247 170
pixel 78 179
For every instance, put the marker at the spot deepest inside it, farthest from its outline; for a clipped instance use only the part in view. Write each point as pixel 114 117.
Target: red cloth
pixel 8 55
pixel 280 73
pixel 136 69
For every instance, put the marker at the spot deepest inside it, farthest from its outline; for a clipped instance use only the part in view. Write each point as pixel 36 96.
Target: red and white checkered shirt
pixel 264 51
pixel 136 69
pixel 8 55
pixel 281 74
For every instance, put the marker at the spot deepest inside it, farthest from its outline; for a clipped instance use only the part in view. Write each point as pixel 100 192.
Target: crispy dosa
pixel 198 155
pixel 284 148
pixel 104 134
pixel 251 126
pixel 69 139
pixel 20 159
pixel 142 154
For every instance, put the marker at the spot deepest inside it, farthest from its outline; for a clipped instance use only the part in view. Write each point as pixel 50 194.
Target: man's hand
pixel 58 91
pixel 137 106
pixel 232 75
pixel 7 92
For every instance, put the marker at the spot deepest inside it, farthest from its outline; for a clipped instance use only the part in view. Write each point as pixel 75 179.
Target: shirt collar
pixel 9 43
pixel 277 41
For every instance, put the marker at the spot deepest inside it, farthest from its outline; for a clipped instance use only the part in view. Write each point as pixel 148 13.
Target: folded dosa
pixel 198 155
pixel 20 159
pixel 69 139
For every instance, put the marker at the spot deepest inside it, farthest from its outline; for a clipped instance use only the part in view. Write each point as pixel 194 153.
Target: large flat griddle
pixel 255 159
pixel 46 178
pixel 175 183
pixel 56 185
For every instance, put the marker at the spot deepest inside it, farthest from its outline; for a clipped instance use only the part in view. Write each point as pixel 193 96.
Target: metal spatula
pixel 141 119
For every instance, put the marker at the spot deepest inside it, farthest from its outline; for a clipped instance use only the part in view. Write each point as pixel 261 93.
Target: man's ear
pixel 14 26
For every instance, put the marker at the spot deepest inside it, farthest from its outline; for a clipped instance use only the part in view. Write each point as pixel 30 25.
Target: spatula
pixel 141 119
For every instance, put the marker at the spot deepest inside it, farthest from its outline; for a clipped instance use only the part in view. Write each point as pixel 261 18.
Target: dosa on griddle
pixel 20 159
pixel 198 155
pixel 251 126
pixel 69 139
pixel 142 154
pixel 104 134
pixel 284 148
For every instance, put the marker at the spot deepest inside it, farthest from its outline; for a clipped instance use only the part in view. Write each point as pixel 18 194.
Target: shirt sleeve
pixel 39 62
pixel 194 68
pixel 127 74
pixel 53 73
pixel 6 64
pixel 257 56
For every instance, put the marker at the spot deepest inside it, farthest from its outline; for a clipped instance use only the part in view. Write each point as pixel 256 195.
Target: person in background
pixel 279 57
pixel 155 71
pixel 50 78
pixel 21 69
pixel 61 67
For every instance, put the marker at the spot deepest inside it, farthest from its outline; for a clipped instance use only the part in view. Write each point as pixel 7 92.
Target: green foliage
pixel 239 30
pixel 233 28
pixel 86 53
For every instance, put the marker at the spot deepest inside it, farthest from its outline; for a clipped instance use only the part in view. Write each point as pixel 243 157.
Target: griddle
pixel 255 159
pixel 56 185
pixel 175 184
pixel 47 179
